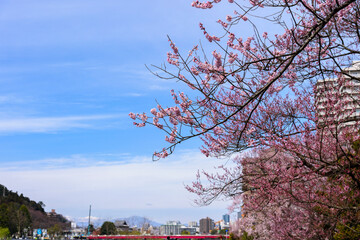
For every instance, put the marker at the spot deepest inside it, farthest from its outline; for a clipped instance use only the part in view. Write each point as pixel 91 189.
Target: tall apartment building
pixel 338 101
pixel 206 225
pixel 226 218
pixel 239 215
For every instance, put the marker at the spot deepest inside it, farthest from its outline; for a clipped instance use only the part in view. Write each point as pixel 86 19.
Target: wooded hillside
pixel 20 214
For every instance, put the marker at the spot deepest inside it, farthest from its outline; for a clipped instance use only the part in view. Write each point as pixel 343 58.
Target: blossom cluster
pixel 262 92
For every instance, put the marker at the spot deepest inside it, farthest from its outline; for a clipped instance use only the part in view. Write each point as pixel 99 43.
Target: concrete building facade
pixel 171 228
pixel 338 100
pixel 206 225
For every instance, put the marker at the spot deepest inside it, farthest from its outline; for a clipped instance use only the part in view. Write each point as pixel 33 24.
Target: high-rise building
pixel 338 100
pixel 239 215
pixel 226 218
pixel 206 225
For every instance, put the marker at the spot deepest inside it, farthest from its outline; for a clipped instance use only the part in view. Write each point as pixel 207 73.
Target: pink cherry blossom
pixel 283 107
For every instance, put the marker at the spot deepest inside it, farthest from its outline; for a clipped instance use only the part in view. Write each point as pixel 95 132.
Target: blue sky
pixel 70 72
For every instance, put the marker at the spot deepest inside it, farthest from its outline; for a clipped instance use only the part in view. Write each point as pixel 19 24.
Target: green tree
pixel 232 236
pixel 222 232
pixel 41 204
pixel 4 233
pixel 23 219
pixel 213 232
pixel 184 232
pixel 246 236
pixel 108 228
pixel 55 231
pixel 4 215
pixel 135 232
pixel 8 212
pixel 91 228
pixel 347 232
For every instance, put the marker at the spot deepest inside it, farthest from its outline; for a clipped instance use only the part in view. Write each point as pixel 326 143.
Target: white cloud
pixel 158 87
pixel 133 94
pixel 50 124
pixel 83 219
pixel 6 99
pixel 128 187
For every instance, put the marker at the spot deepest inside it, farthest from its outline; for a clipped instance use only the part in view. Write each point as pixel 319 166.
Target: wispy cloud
pixel 83 219
pixel 133 94
pixel 131 186
pixel 72 161
pixel 10 99
pixel 51 124
pixel 158 87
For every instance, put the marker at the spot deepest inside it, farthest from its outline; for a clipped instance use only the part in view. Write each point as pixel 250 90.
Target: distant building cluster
pixel 204 226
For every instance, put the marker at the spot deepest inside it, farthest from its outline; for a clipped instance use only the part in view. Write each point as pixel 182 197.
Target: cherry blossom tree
pixel 279 105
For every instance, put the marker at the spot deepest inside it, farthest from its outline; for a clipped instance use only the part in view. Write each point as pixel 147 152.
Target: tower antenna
pixel 89 220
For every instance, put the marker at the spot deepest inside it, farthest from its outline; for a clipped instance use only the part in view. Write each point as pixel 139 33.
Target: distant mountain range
pixel 139 221
pixel 131 221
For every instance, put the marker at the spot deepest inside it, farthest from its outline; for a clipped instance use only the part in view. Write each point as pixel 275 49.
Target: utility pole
pixel 89 220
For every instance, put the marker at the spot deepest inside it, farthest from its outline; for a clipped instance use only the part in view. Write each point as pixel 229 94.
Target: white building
pixel 171 228
pixel 338 100
pixel 193 224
